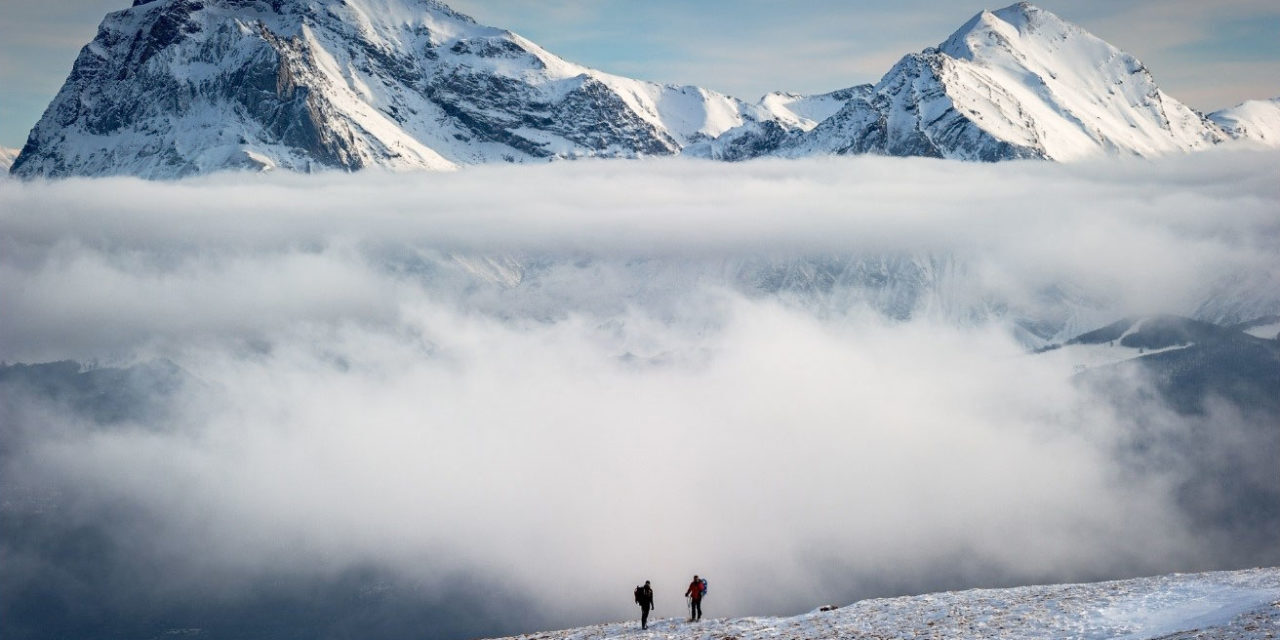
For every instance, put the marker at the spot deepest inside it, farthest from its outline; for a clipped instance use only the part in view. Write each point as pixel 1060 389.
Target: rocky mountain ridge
pixel 171 88
pixel 1019 82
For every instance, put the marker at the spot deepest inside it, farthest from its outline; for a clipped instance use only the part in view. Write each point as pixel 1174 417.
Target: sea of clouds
pixel 559 381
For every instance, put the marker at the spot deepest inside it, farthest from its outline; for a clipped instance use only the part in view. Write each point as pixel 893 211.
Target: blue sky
pixel 1207 54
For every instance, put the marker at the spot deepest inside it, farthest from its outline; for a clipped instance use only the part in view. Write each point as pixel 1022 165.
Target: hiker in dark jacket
pixel 694 592
pixel 644 598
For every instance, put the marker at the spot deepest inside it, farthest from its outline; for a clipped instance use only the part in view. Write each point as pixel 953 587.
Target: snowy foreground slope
pixel 1237 605
pixel 171 88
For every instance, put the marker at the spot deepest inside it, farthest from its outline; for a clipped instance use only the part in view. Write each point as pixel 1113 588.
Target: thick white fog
pixel 576 377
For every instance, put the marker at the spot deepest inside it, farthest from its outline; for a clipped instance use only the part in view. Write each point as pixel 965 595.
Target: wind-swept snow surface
pixel 1239 605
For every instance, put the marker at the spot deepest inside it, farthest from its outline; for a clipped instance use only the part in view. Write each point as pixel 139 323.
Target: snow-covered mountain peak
pixel 1035 80
pixel 1017 82
pixel 1028 18
pixel 1009 28
pixel 1020 14
pixel 170 88
pixel 178 87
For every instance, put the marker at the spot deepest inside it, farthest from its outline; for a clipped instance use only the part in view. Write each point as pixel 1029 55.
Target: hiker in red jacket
pixel 694 593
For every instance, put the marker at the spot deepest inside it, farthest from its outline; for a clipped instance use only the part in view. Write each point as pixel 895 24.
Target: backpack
pixel 704 586
pixel 637 595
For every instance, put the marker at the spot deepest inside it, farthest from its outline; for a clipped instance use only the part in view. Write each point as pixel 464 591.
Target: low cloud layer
pixel 561 381
pixel 132 260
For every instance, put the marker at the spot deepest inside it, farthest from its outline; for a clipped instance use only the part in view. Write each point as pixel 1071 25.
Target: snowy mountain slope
pixel 177 87
pixel 805 112
pixel 1014 83
pixel 1152 332
pixel 1118 342
pixel 1137 340
pixel 786 115
pixel 1256 121
pixel 1078 93
pixel 170 88
pixel 1191 361
pixel 1239 605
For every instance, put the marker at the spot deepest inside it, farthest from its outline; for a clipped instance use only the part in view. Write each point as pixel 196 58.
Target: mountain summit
pixel 1054 89
pixel 1015 83
pixel 170 88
